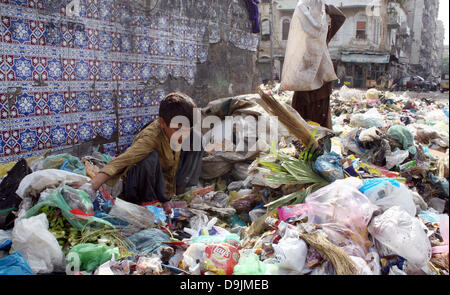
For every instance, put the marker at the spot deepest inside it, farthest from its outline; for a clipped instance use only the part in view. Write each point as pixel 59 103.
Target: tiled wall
pixel 60 76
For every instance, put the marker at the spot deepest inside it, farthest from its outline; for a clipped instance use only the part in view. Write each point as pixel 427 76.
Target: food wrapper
pixel 221 259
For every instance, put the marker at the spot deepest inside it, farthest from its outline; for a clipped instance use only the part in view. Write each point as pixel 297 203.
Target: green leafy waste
pixel 293 171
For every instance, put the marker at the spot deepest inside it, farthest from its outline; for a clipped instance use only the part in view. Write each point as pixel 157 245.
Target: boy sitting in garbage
pixel 151 169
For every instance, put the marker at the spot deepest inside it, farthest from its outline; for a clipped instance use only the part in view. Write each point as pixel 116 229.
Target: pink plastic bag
pixel 443 227
pixel 287 212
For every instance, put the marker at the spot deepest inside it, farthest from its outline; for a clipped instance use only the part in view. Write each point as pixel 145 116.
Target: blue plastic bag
pixel 149 240
pixel 5 246
pixel 329 167
pixel 159 213
pixel 15 264
pixel 5 240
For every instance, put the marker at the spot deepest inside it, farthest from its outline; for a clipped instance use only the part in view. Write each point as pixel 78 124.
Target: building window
pixel 285 29
pixel 265 30
pixel 361 30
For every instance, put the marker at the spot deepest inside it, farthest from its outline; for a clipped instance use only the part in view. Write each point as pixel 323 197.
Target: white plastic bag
pixel 4 236
pixel 372 118
pixel 402 234
pixel 291 251
pixel 33 184
pixel 40 248
pixel 363 267
pixel 340 203
pixel 396 158
pixel 307 63
pixel 386 193
pixel 194 257
pixel 138 217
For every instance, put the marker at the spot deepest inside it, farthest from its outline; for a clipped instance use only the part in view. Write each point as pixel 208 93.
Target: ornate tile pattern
pixel 60 76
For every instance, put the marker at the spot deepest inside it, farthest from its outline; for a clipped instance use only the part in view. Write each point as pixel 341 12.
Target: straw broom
pixel 342 263
pixel 292 124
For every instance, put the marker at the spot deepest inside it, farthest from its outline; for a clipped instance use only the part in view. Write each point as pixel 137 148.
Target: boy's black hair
pixel 177 104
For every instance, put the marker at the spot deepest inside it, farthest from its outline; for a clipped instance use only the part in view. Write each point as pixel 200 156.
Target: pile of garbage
pixel 372 201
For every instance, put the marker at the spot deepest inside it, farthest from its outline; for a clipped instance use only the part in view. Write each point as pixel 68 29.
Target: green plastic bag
pixel 251 265
pixel 92 256
pixel 75 206
pixel 65 162
pixel 404 136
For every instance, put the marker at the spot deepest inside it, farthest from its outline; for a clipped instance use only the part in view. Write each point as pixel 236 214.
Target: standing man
pixel 315 105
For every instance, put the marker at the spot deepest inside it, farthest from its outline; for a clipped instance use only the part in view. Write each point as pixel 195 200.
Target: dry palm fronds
pixel 292 124
pixel 342 263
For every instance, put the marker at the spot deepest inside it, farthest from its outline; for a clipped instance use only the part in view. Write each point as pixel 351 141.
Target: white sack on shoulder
pixel 307 63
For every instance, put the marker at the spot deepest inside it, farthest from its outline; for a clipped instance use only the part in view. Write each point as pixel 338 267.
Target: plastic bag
pixel 232 239
pixel 329 167
pixel 93 255
pixel 15 264
pixel 216 199
pixel 370 135
pixel 5 240
pixel 65 162
pixel 352 242
pixel 34 183
pixel 123 267
pixel 291 251
pixel 137 217
pixel 372 94
pixel 308 63
pixel 403 235
pixel 149 265
pixel 160 216
pixel 340 203
pixel 437 116
pixel 287 212
pixel 363 268
pixel 75 206
pixel 371 118
pixel 386 193
pixel 200 223
pixel 404 137
pixel 193 258
pixel 396 158
pixel 148 241
pixel 40 248
pixel 251 265
pixel 256 213
pixel 443 228
pixel 240 171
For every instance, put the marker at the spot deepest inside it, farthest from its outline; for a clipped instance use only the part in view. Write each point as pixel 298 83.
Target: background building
pixel 427 42
pixel 381 40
